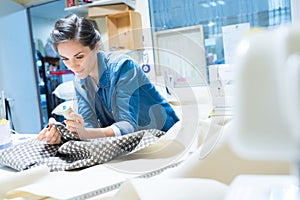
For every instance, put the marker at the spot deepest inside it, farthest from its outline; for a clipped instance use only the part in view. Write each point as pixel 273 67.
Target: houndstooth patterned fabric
pixel 74 153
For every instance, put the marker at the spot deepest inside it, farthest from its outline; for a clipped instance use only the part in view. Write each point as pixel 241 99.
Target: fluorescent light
pixel 213 3
pixel 210 24
pixel 205 5
pixel 221 2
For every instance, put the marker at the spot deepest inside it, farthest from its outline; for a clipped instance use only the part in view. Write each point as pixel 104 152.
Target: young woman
pixel 113 94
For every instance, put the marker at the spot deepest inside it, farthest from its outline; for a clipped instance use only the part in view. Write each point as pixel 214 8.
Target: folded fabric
pixel 74 153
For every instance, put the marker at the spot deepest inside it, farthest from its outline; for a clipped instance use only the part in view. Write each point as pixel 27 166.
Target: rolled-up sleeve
pixel 124 128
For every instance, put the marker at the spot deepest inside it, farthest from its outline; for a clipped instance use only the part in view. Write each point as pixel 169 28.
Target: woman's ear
pixel 97 47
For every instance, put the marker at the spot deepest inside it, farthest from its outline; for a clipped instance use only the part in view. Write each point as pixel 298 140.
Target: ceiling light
pixel 205 5
pixel 213 3
pixel 221 2
pixel 210 24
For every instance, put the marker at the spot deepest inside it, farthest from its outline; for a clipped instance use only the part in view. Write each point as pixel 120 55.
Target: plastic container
pixel 5 135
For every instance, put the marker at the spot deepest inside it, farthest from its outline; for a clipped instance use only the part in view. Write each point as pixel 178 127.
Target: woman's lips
pixel 79 71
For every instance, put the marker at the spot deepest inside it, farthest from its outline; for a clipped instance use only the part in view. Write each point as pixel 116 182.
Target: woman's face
pixel 80 59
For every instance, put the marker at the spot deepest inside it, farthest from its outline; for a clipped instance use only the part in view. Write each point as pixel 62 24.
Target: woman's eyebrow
pixel 73 56
pixel 78 53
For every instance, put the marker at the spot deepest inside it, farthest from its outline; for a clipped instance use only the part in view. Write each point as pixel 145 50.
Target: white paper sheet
pixel 10 180
pixel 162 189
pixel 71 184
pixel 232 35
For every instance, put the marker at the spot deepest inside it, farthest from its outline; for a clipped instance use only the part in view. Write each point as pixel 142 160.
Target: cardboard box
pixel 100 11
pixel 71 3
pixel 124 30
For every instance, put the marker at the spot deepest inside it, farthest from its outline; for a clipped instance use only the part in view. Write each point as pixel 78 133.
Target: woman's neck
pixel 95 78
pixel 94 74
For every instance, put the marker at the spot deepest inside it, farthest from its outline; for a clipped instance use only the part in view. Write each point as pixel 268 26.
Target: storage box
pixel 124 30
pixel 71 3
pixel 100 11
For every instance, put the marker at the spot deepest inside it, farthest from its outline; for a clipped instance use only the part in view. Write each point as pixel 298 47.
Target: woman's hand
pixel 50 134
pixel 76 126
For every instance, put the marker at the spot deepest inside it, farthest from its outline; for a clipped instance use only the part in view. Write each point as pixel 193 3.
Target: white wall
pixel 7 7
pixel 142 6
pixel 18 75
pixel 42 28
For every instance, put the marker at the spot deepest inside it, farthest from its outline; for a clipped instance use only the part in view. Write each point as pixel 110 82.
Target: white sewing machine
pixel 268 106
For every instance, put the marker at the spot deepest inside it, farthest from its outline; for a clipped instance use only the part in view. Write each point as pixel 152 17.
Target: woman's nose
pixel 74 65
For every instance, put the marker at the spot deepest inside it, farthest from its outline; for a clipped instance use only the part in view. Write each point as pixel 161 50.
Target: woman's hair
pixel 77 28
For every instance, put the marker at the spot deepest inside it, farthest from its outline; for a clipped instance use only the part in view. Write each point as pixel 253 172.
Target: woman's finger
pixel 56 139
pixel 74 123
pixel 78 118
pixel 70 122
pixel 71 128
pixel 42 134
pixel 52 135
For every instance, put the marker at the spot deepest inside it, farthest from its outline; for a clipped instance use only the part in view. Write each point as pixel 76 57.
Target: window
pixel 212 16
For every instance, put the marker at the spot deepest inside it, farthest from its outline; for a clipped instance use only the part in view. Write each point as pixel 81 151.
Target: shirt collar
pixel 103 73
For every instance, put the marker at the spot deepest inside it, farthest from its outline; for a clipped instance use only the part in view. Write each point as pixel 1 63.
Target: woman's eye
pixel 79 57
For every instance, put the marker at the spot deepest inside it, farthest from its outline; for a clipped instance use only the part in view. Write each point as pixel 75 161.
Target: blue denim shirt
pixel 124 98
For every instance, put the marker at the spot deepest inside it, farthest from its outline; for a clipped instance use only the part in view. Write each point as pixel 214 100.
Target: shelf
pixel 83 9
pixel 31 3
pixel 124 30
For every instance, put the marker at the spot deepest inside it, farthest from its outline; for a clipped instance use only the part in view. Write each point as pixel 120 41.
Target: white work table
pixel 103 181
pixel 194 106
